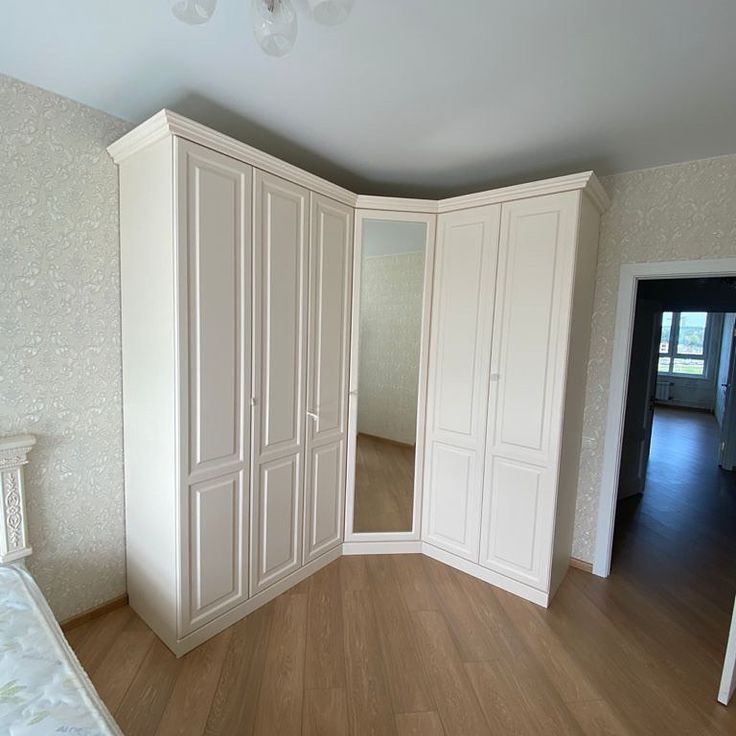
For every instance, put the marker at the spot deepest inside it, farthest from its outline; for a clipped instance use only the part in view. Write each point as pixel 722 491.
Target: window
pixel 682 344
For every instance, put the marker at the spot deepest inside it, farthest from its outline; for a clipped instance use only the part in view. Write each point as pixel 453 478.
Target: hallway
pixel 678 540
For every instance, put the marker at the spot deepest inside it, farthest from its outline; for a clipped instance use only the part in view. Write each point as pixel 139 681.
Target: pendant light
pixel 275 26
pixel 193 12
pixel 330 12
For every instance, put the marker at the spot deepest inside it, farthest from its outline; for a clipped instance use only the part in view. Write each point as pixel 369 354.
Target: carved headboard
pixel 14 543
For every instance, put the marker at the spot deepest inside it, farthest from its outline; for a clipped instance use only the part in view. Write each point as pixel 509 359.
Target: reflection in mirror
pixel 390 326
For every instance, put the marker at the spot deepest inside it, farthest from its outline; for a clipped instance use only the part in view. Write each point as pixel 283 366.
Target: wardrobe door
pixel 214 229
pixel 531 325
pixel 280 269
pixel 460 347
pixel 330 269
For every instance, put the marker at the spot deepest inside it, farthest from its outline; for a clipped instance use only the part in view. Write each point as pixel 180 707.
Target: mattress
pixel 43 688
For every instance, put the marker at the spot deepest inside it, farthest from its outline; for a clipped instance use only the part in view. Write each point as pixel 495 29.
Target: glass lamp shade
pixel 193 12
pixel 275 26
pixel 330 12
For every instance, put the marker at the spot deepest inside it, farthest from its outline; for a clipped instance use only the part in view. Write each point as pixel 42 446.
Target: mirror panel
pixel 392 283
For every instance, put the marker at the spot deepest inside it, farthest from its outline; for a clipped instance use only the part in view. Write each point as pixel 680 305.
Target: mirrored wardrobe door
pixel 393 275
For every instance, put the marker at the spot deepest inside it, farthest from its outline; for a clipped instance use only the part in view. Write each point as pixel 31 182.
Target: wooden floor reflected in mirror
pixel 384 485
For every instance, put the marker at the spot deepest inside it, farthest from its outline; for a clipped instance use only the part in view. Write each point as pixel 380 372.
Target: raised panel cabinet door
pixel 530 333
pixel 279 376
pixel 214 211
pixel 217 549
pixel 460 348
pixel 330 270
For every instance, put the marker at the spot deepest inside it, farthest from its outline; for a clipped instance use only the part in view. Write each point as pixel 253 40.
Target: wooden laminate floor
pixel 405 645
pixel 384 485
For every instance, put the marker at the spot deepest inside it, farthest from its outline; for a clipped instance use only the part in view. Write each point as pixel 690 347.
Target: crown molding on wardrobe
pixel 166 122
pixel 586 181
pixel 396 204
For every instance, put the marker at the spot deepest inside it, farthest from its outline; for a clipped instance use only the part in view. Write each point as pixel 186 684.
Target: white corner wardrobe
pixel 237 276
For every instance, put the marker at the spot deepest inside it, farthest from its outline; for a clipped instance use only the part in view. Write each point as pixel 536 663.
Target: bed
pixel 43 688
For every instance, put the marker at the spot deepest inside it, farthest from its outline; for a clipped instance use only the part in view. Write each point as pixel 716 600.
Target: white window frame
pixel 673 355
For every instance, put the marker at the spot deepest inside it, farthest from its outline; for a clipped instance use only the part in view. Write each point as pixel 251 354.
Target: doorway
pixel 675 459
pixel 674 505
pixel 631 275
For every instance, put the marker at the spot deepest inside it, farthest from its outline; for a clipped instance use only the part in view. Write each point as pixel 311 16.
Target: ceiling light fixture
pixel 193 12
pixel 274 21
pixel 275 26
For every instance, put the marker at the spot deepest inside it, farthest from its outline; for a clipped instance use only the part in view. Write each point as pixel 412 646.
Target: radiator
pixel 664 389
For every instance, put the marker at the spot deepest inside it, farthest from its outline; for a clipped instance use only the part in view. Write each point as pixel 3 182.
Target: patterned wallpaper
pixel 60 338
pixel 679 212
pixel 390 334
pixel 60 331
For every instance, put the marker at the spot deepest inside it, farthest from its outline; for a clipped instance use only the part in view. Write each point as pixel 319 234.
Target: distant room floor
pixel 680 535
pixel 384 485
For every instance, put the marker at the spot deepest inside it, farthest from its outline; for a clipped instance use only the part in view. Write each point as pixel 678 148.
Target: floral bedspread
pixel 43 688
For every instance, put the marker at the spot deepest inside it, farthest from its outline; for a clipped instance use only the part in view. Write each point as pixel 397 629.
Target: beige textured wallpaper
pixel 390 334
pixel 680 212
pixel 60 337
pixel 60 322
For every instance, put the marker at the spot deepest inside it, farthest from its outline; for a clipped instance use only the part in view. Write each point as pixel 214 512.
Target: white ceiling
pixel 415 97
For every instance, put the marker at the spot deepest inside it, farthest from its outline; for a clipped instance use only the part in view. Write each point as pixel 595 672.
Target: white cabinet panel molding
pixel 213 216
pixel 330 286
pixel 218 549
pixel 218 192
pixel 528 376
pixel 279 379
pixel 462 314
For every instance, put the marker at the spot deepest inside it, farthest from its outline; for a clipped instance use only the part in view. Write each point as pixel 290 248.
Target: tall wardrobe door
pixel 330 269
pixel 535 276
pixel 214 223
pixel 460 347
pixel 280 290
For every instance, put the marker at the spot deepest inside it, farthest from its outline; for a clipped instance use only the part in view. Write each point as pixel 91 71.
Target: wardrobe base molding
pixel 389 547
pixel 181 646
pixel 487 576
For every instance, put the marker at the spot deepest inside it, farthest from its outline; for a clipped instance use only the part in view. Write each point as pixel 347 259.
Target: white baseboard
pixel 181 646
pixel 399 547
pixel 486 575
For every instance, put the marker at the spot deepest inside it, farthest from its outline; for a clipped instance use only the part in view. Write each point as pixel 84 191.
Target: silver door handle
pixel 312 415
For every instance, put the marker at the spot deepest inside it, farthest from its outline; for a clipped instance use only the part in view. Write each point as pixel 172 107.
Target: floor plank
pixel 234 704
pixel 419 724
pixel 324 667
pixel 416 587
pixel 369 702
pixel 191 698
pixel 120 665
pixel 325 713
pixel 407 681
pixel 456 702
pixel 145 701
pixel 282 689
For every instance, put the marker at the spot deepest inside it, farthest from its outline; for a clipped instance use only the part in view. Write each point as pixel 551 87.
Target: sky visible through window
pixel 682 343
